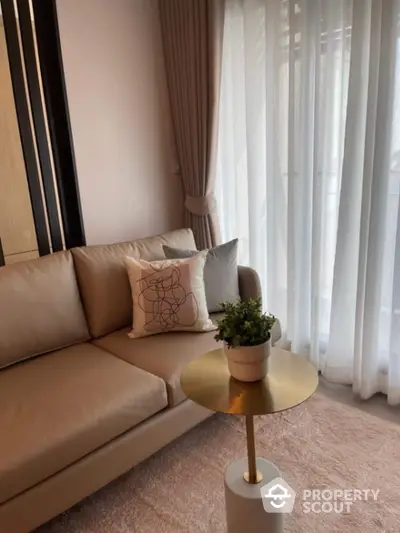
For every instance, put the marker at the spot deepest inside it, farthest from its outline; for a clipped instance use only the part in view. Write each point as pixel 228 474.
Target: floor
pixel 377 405
pixel 332 441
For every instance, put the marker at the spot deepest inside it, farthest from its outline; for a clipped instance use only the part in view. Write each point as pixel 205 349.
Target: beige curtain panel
pixel 192 36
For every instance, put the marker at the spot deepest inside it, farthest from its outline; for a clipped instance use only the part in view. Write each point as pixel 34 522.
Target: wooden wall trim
pixel 50 55
pixel 2 259
pixel 24 124
pixel 42 142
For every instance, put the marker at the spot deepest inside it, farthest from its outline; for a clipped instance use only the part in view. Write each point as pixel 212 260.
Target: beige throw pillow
pixel 168 295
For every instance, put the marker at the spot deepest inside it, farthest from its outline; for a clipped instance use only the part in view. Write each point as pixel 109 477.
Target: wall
pixel 120 118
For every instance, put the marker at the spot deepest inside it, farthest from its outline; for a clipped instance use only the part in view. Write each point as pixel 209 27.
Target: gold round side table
pixel 291 379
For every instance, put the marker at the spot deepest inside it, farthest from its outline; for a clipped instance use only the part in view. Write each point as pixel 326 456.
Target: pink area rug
pixel 321 444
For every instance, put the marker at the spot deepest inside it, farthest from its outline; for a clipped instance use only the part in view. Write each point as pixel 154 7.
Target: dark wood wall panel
pixel 2 260
pixel 49 47
pixel 52 218
pixel 24 124
pixel 32 75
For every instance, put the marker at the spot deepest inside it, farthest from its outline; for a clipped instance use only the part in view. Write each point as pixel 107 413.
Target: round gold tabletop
pixel 291 379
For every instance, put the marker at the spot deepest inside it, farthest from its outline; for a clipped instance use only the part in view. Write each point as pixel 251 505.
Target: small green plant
pixel 244 324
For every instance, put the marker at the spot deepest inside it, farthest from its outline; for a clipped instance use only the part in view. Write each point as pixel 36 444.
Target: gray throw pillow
pixel 220 272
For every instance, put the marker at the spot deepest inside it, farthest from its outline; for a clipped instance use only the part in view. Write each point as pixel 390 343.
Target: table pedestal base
pixel 244 507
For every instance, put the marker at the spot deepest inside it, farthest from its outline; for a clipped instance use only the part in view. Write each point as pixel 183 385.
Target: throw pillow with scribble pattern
pixel 168 295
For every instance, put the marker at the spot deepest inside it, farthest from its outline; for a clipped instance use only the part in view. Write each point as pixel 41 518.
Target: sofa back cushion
pixel 40 308
pixel 104 282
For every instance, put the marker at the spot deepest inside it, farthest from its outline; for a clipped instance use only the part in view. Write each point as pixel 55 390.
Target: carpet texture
pixel 320 444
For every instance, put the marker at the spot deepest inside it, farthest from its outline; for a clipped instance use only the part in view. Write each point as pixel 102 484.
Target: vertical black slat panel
pixel 2 259
pixel 25 24
pixel 49 47
pixel 24 124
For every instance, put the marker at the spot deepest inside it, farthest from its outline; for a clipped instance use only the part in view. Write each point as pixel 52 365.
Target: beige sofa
pixel 80 402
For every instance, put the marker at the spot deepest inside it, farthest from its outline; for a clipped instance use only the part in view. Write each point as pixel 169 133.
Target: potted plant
pixel 246 333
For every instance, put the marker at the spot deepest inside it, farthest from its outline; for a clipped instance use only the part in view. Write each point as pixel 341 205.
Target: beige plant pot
pixel 248 363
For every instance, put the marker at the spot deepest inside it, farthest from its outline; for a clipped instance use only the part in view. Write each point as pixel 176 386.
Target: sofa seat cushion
pixel 164 355
pixel 59 407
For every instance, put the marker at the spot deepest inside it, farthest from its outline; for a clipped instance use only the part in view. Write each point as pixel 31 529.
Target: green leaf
pixel 244 323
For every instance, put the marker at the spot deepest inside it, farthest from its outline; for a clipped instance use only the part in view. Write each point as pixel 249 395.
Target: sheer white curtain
pixel 309 173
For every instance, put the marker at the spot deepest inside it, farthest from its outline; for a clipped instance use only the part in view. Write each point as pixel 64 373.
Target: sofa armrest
pixel 249 283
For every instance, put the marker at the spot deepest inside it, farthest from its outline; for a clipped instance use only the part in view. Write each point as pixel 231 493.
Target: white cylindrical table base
pixel 243 501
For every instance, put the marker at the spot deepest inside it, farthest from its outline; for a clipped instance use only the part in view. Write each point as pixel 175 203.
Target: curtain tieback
pixel 201 205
